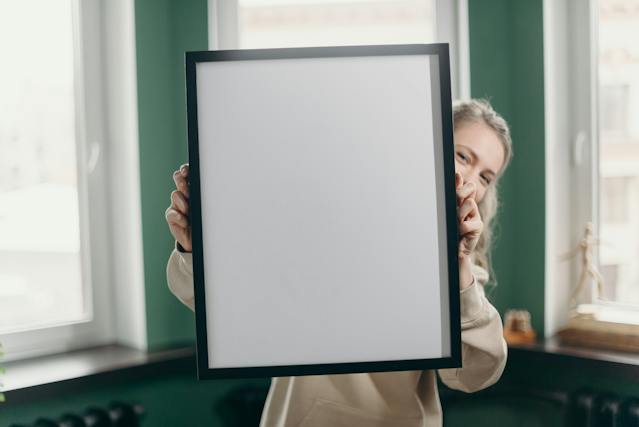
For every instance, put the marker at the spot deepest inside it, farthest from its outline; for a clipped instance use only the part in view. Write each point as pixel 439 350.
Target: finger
pixel 181 183
pixel 471 227
pixel 178 178
pixel 173 217
pixel 179 202
pixel 468 210
pixel 463 199
pixel 468 242
pixel 464 251
pixel 177 232
pixel 185 190
pixel 183 236
pixel 468 190
pixel 184 170
pixel 463 211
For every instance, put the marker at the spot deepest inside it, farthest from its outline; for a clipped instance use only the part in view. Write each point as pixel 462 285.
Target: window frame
pixel 106 147
pixel 223 21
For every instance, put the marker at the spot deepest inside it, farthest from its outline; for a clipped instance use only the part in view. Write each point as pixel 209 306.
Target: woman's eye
pixel 461 156
pixel 486 180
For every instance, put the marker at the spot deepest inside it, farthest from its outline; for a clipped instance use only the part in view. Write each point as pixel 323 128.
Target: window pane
pixel 619 148
pixel 40 269
pixel 294 23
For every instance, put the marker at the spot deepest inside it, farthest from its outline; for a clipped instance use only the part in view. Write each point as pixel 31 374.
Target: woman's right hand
pixel 177 213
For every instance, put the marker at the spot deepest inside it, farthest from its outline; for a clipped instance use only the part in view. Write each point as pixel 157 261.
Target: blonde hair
pixel 480 111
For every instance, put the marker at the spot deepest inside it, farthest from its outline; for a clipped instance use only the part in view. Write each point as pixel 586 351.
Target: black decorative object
pixel 117 414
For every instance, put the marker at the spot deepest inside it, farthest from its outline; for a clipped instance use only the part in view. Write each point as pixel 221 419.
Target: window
pixel 51 187
pixel 592 150
pixel 618 81
pixel 275 23
pixel 296 23
pixel 614 111
pixel 614 198
pixel 39 223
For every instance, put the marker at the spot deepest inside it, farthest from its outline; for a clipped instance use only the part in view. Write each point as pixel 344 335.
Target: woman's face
pixel 479 155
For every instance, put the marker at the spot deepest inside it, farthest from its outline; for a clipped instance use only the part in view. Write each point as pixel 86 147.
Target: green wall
pixel 506 59
pixel 165 29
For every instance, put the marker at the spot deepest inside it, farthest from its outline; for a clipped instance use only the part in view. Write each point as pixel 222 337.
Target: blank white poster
pixel 323 236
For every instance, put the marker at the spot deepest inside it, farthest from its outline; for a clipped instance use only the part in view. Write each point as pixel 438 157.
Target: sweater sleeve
pixel 484 349
pixel 179 276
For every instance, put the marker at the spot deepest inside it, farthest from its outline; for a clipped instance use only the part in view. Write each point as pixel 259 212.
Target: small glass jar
pixel 517 327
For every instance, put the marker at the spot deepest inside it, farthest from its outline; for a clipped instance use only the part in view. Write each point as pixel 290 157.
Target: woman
pixel 398 398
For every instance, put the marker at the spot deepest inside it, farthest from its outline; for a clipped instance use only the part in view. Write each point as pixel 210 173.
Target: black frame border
pixel 441 50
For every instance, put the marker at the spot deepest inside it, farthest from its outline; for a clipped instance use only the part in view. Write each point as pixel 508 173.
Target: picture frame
pixel 318 176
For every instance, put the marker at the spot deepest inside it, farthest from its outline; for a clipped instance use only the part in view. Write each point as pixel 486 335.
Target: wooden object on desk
pixel 602 327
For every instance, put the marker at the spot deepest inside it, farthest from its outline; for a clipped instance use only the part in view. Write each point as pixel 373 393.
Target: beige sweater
pixel 380 399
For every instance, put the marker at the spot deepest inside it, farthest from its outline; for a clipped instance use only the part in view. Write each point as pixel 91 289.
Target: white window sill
pixel 38 378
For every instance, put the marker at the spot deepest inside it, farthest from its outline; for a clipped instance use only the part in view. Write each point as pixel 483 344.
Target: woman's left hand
pixel 469 221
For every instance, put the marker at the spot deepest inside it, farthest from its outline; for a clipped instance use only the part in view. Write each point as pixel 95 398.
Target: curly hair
pixel 480 111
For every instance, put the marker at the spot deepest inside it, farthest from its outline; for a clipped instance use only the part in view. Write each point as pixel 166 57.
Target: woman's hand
pixel 177 213
pixel 469 219
pixel 470 227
